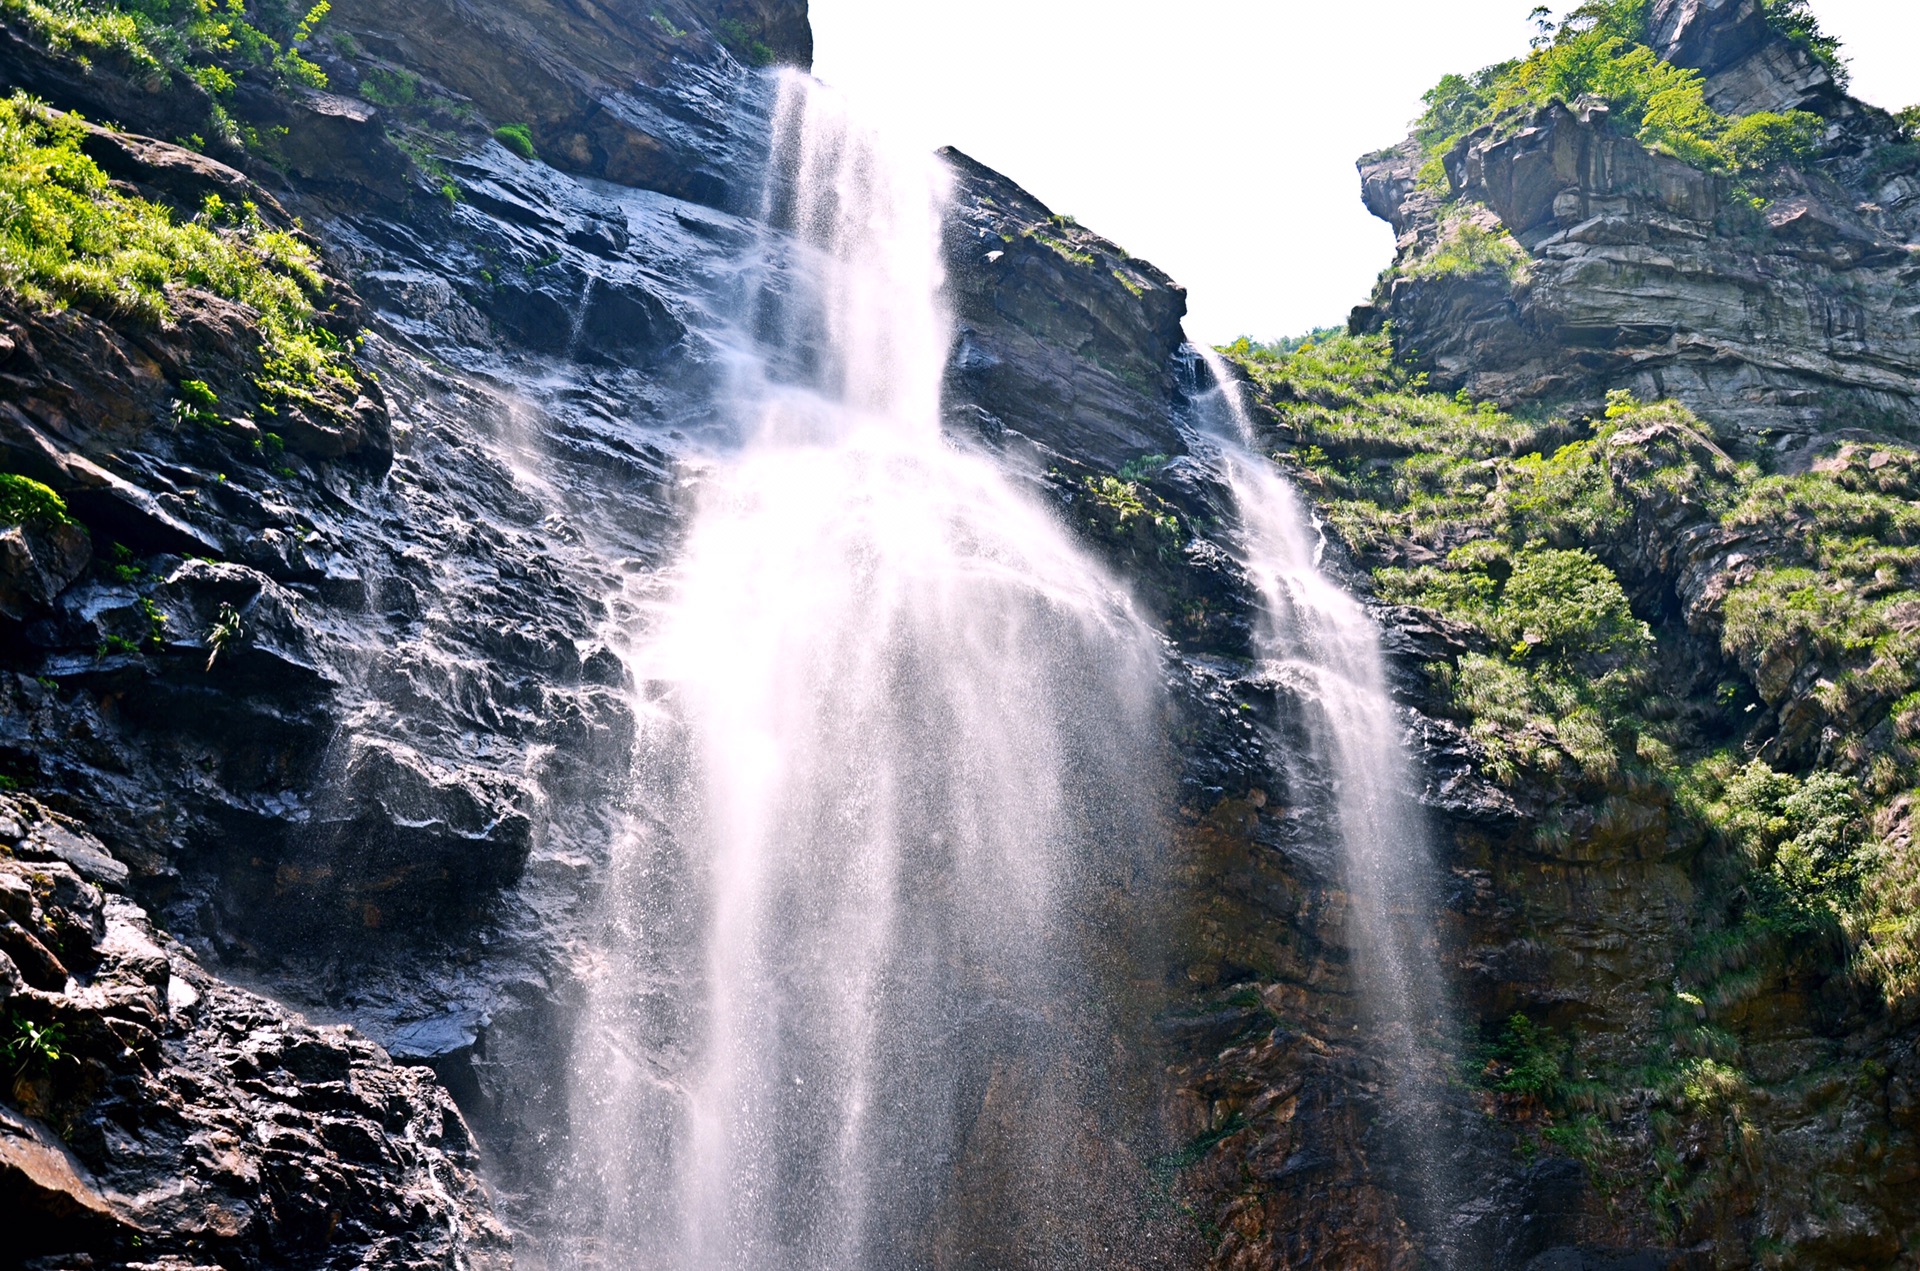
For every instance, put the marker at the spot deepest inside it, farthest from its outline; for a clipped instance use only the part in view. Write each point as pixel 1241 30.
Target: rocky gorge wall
pixel 335 717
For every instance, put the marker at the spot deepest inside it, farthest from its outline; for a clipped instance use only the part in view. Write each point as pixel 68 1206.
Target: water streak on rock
pixel 1320 644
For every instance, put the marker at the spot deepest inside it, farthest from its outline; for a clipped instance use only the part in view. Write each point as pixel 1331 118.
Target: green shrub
pixel 24 501
pixel 33 1049
pixel 743 42
pixel 1808 832
pixel 1466 247
pixel 392 88
pixel 211 44
pixel 1767 138
pixel 517 138
pixel 67 236
pixel 1566 604
pixel 1528 1059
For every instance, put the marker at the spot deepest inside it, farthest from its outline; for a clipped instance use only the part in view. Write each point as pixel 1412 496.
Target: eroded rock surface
pixel 1778 306
pixel 162 1115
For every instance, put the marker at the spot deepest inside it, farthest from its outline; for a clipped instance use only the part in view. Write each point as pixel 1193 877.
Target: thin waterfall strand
pixel 1315 636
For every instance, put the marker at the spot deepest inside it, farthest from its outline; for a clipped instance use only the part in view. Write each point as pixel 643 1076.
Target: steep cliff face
pixel 1695 1042
pixel 1776 302
pixel 315 690
pixel 323 664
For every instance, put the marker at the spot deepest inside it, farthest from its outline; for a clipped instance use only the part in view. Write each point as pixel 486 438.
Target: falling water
pixel 1317 640
pixel 890 761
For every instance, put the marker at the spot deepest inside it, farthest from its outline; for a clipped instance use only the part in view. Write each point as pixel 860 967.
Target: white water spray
pixel 891 739
pixel 1318 641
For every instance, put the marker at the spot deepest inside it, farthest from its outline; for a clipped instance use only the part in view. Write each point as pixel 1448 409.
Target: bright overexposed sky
pixel 1216 138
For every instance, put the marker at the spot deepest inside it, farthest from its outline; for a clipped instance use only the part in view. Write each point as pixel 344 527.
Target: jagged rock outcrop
pixel 628 92
pixel 158 1115
pixel 1064 337
pixel 1776 306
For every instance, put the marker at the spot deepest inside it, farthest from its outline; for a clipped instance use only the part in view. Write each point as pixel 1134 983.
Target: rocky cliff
pixel 1676 803
pixel 309 687
pixel 1777 301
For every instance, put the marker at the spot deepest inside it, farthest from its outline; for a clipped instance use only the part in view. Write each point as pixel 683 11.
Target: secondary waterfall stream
pixel 892 759
pixel 1318 641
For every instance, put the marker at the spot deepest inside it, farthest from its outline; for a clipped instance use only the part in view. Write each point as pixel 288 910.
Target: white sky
pixel 1216 138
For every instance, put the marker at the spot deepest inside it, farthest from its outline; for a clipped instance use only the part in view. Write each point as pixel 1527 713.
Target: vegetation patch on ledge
pixel 210 43
pixel 1600 50
pixel 1647 622
pixel 68 237
pixel 1803 762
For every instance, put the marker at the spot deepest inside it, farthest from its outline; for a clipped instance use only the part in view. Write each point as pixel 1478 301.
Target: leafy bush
pixel 67 236
pixel 517 138
pixel 391 88
pixel 24 501
pixel 1527 1060
pixel 1805 834
pixel 1767 138
pixel 1467 247
pixel 33 1049
pixel 744 42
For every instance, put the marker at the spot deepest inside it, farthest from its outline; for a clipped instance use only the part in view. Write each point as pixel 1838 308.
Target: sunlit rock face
pixel 1647 274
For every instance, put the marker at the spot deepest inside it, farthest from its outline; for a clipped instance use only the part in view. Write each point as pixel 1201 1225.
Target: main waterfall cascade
pixel 1317 640
pixel 892 765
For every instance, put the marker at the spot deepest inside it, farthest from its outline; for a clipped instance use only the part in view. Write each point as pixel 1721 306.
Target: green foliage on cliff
pixel 1516 529
pixel 1466 246
pixel 1755 723
pixel 744 42
pixel 213 44
pixel 24 501
pixel 1795 20
pixel 67 236
pixel 517 138
pixel 1600 51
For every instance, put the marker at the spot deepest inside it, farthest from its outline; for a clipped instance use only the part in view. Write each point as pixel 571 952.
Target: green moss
pixel 517 138
pixel 66 236
pixel 24 501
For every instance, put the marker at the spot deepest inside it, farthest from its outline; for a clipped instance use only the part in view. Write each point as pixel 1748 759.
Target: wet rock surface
pixel 350 724
pixel 159 1115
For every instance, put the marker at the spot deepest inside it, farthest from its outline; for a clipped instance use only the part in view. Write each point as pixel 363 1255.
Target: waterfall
pixel 1318 641
pixel 891 763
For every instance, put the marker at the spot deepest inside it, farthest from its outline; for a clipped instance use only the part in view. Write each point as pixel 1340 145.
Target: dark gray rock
pixel 1064 338
pixel 1645 274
